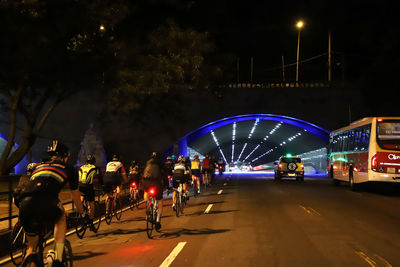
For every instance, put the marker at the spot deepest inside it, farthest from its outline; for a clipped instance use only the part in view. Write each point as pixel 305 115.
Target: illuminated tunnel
pixel 255 139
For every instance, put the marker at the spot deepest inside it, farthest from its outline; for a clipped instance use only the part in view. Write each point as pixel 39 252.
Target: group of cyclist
pixel 40 206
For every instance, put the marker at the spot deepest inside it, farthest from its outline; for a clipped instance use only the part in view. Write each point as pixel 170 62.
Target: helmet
pixel 181 158
pixel 57 148
pixel 196 156
pixel 90 159
pixel 154 155
pixel 169 158
pixel 206 156
pixel 133 163
pixel 31 167
pixel 115 157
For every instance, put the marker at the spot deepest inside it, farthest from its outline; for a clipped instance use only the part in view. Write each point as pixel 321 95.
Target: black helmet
pixel 115 157
pixel 90 159
pixel 57 148
pixel 133 163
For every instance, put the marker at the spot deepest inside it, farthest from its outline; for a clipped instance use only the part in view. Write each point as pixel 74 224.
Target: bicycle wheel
pixel 97 215
pixel 155 213
pixel 195 191
pixel 177 209
pixel 117 208
pixel 67 256
pixel 17 244
pixel 132 199
pixel 108 216
pixel 149 219
pixel 181 203
pixel 80 226
pixel 32 260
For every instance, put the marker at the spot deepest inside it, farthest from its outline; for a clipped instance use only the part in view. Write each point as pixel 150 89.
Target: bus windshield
pixel 388 134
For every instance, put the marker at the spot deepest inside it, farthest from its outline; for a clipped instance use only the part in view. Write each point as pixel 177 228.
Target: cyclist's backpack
pixel 87 174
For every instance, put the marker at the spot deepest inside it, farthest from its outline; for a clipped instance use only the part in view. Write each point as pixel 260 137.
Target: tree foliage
pixel 49 50
pixel 172 62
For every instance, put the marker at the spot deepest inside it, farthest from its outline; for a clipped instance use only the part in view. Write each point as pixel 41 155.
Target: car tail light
pixel 302 166
pixel 379 120
pixel 374 163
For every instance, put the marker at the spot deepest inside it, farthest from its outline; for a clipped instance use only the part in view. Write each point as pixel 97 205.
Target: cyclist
pixel 41 207
pixel 169 168
pixel 153 177
pixel 115 170
pixel 195 167
pixel 180 177
pixel 206 169
pixel 89 173
pixel 221 165
pixel 134 175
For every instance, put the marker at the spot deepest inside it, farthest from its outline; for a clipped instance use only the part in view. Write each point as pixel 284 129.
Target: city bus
pixel 367 150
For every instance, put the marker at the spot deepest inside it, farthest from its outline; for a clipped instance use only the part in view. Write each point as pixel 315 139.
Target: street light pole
pixel 299 25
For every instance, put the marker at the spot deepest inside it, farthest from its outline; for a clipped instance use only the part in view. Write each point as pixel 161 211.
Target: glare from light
pixel 299 24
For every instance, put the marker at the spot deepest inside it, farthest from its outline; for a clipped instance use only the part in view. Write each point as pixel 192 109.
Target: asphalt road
pixel 255 221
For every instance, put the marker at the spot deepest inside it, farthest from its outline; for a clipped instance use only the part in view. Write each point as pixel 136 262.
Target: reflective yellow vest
pixel 87 173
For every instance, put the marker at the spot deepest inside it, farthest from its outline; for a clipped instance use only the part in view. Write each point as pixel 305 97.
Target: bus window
pixel 365 137
pixel 350 146
pixel 388 134
pixel 357 139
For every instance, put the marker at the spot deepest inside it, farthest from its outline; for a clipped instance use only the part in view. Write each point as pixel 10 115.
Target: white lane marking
pixel 173 254
pixel 367 259
pixel 219 192
pixel 208 208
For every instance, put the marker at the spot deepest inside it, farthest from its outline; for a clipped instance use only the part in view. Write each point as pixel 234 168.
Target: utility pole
pixel 329 58
pixel 237 69
pixel 283 68
pixel 251 69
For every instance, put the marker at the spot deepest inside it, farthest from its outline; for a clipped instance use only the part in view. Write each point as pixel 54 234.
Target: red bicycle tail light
pixel 374 163
pixel 379 120
pixel 133 184
pixel 280 165
pixel 152 191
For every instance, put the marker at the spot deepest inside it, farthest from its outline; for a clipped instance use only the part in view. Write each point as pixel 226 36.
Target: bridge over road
pixel 255 221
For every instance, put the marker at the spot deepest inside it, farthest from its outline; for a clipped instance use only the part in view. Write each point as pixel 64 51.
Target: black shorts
pixel 196 172
pixel 39 213
pixel 176 182
pixel 87 191
pixel 111 181
pixel 147 183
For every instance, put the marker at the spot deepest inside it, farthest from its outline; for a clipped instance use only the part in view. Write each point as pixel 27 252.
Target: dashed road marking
pixel 367 259
pixel 310 210
pixel 219 192
pixel 173 254
pixel 208 208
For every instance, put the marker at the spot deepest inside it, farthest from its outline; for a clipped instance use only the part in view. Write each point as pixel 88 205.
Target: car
pixel 289 166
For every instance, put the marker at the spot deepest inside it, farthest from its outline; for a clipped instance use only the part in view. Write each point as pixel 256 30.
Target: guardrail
pixel 9 180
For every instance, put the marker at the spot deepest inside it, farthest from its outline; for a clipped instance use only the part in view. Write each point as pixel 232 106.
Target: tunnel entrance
pixel 256 141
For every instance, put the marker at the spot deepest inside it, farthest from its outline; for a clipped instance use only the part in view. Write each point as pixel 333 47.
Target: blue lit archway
pixel 254 138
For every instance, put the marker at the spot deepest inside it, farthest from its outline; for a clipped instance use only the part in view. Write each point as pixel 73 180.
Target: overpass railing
pixel 246 85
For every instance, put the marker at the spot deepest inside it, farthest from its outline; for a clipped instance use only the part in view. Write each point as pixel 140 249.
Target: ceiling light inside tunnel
pixel 262 155
pixel 275 128
pixel 242 151
pixel 252 152
pixel 254 128
pixel 233 140
pixel 216 142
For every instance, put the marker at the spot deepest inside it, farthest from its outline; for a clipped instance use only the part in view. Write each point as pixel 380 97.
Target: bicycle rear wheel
pixel 177 208
pixel 181 203
pixel 118 209
pixel 67 256
pixel 97 215
pixel 131 199
pixel 80 226
pixel 17 244
pixel 108 216
pixel 149 220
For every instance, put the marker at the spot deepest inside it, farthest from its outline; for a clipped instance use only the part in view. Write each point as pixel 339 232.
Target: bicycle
pixel 206 178
pixel 195 186
pixel 114 207
pixel 82 223
pixel 38 259
pixel 133 195
pixel 180 200
pixel 17 244
pixel 151 211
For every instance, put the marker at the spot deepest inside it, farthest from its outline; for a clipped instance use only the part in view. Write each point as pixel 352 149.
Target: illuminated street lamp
pixel 102 28
pixel 299 26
